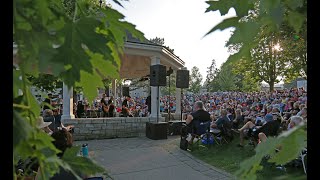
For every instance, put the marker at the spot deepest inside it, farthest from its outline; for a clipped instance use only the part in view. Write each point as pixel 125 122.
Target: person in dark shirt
pixel 104 105
pixel 269 129
pixel 80 109
pixel 148 103
pixel 111 107
pixel 200 115
pixel 55 119
pixel 125 107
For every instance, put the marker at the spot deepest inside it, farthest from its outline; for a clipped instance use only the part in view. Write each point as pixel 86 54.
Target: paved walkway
pixel 145 159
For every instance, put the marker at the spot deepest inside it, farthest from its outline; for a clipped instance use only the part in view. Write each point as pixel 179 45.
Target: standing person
pixel 111 107
pixel 104 105
pixel 125 107
pixel 148 103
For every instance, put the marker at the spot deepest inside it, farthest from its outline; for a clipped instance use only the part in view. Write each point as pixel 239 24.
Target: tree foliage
pixel 226 79
pixel 195 80
pixel 211 74
pixel 165 89
pixel 160 41
pixel 45 82
pixel 77 41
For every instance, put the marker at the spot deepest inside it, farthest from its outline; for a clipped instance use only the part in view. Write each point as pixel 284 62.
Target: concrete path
pixel 145 159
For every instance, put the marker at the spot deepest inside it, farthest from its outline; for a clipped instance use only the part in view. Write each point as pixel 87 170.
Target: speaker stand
pixel 181 106
pixel 158 104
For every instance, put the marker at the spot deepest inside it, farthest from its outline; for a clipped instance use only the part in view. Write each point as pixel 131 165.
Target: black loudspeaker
pixel 125 91
pixel 158 74
pixel 156 131
pixel 182 80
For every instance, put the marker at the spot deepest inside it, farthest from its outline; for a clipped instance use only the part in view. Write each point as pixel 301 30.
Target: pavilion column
pixel 67 111
pixel 155 102
pixel 114 91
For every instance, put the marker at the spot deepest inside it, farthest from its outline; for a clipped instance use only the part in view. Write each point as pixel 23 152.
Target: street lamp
pixel 169 72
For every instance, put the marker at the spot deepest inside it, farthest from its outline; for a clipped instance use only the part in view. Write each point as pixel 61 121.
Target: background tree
pixel 226 78
pixel 160 41
pixel 165 89
pixel 45 82
pixel 211 74
pixel 295 50
pixel 195 80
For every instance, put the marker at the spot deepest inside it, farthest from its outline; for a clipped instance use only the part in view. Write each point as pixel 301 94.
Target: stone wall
pixel 105 128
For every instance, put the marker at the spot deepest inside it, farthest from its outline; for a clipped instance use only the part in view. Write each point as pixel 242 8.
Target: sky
pixel 182 24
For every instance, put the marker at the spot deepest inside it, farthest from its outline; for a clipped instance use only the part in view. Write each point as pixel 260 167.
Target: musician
pixel 104 105
pixel 111 107
pixel 125 107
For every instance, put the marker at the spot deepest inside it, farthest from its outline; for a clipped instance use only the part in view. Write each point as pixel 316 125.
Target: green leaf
pixel 222 6
pixel 245 33
pixel 80 36
pixel 103 67
pixel 276 15
pixel 81 164
pixel 268 5
pixel 19 134
pixel 294 4
pixel 226 23
pixel 296 20
pixel 291 146
pixel 242 7
pixel 35 107
pixel 90 83
pixel 17 83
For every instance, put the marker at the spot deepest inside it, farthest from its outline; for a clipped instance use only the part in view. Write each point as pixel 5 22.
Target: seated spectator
pixel 294 121
pixel 62 141
pixel 56 123
pixel 271 127
pixel 193 119
pixel 223 125
pixel 238 119
pixel 44 126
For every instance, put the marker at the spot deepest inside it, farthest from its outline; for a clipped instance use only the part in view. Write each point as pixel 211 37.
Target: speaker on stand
pixel 158 74
pixel 182 81
pixel 125 91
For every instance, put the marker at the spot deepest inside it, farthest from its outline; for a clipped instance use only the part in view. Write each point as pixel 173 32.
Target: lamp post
pixel 169 72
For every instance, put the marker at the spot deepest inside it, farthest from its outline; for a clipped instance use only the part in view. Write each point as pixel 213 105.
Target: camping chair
pixel 224 134
pixel 303 154
pixel 199 131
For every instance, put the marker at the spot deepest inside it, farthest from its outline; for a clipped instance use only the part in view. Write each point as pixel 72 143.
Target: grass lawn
pixel 228 157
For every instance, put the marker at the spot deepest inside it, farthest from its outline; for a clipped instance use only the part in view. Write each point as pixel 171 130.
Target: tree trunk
pixel 271 86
